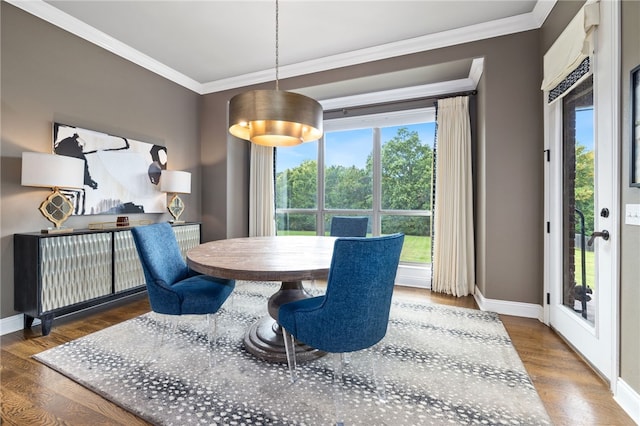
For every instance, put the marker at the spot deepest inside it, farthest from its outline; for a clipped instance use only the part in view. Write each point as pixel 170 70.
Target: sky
pixel 584 127
pixel 355 146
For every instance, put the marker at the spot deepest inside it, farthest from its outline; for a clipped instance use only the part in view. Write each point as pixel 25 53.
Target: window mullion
pixel 376 227
pixel 320 212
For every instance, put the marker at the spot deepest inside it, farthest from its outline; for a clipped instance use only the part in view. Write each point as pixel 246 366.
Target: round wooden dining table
pixel 287 259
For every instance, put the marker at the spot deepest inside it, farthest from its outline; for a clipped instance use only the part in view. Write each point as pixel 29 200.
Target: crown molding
pixel 415 92
pixel 542 10
pixel 475 72
pixel 496 28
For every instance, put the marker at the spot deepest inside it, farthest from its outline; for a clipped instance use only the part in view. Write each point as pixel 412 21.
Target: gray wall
pixel 630 235
pixel 557 21
pixel 512 191
pixel 225 161
pixel 50 75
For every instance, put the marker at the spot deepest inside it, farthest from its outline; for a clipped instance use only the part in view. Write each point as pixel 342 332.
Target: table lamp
pixel 175 182
pixel 55 172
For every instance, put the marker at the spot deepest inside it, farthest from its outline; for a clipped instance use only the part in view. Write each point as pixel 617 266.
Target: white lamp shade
pixel 50 170
pixel 175 181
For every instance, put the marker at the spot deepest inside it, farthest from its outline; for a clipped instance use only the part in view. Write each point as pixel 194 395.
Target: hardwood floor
pixel 33 394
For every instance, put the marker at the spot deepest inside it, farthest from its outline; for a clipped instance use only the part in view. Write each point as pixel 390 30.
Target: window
pixel 375 166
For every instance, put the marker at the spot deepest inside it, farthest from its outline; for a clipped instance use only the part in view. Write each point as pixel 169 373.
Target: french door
pixel 582 206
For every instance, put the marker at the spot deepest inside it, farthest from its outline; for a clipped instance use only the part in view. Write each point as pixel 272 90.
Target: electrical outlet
pixel 632 214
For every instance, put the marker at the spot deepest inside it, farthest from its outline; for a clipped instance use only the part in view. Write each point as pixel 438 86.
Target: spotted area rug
pixel 441 365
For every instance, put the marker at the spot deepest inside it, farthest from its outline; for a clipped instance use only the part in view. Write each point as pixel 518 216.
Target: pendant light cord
pixel 277 46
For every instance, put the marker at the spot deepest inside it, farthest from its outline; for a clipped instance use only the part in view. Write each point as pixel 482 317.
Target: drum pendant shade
pixel 275 118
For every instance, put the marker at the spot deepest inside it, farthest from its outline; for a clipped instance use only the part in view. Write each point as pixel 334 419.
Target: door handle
pixel 604 234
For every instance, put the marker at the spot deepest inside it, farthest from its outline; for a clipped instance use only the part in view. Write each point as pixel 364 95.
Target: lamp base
pixel 176 221
pixel 56 230
pixel 57 208
pixel 175 207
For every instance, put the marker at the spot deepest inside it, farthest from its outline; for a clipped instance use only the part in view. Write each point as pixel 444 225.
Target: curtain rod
pixel 453 95
pixel 430 101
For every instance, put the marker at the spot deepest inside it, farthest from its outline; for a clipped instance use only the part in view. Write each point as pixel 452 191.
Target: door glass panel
pixel 579 285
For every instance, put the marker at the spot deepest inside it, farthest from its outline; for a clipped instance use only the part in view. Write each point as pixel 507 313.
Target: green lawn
pixel 416 249
pixel 590 268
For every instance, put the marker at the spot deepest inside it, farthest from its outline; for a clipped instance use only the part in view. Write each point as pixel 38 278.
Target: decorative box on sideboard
pixel 57 274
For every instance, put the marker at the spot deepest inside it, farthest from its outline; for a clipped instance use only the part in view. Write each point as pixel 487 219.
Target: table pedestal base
pixel 264 338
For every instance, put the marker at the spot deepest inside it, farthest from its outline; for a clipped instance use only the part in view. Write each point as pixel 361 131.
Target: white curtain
pixel 261 192
pixel 453 242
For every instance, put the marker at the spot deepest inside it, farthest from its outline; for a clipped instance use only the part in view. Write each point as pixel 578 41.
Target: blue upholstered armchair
pixel 349 226
pixel 354 313
pixel 173 288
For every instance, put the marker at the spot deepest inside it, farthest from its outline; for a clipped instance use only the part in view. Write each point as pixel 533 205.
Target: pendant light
pixel 275 117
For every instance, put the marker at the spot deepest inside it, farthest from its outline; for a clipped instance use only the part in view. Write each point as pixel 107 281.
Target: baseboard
pixel 414 276
pixel 505 307
pixel 14 323
pixel 628 399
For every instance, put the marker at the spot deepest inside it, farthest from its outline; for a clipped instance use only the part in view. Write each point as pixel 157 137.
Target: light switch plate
pixel 632 214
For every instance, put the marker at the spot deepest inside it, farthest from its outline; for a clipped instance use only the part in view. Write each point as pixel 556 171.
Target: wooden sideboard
pixel 56 274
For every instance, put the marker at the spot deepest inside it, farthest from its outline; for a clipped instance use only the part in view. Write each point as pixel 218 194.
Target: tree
pixel 297 188
pixel 406 172
pixel 406 181
pixel 348 188
pixel 584 187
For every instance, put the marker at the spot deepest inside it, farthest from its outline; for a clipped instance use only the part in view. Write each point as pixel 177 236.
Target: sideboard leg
pixel 47 323
pixel 28 321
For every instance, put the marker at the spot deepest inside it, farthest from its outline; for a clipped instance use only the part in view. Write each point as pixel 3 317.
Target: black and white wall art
pixel 121 175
